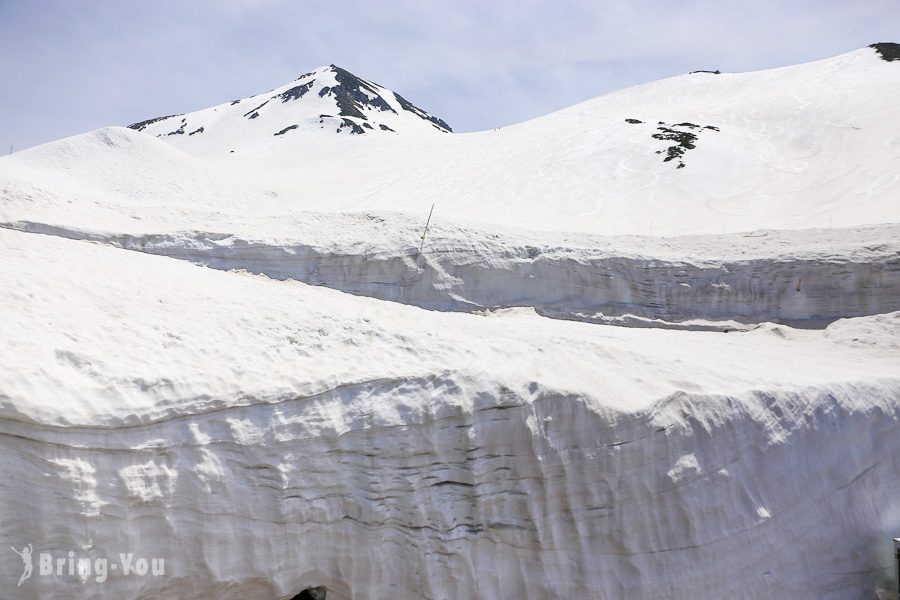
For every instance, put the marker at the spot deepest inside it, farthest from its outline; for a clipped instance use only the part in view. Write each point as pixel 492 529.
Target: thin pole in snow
pixel 422 245
pixel 897 556
pixel 10 148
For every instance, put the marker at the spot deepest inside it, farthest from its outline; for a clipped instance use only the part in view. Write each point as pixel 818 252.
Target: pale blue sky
pixel 69 66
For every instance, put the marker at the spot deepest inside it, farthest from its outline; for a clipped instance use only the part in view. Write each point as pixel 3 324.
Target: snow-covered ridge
pixel 328 98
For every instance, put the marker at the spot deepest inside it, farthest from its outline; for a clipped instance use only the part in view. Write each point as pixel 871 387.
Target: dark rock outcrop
pixel 889 51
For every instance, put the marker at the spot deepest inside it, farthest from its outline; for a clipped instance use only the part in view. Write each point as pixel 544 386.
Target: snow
pixel 243 363
pixel 247 332
pixel 183 386
pixel 133 191
pixel 807 146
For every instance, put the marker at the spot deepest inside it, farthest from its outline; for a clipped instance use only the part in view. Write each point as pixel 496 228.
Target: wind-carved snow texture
pixel 283 436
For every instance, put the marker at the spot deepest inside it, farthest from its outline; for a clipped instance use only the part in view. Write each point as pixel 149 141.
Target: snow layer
pixel 290 436
pixel 808 278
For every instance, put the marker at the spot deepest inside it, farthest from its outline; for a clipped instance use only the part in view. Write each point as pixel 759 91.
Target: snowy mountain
pixel 329 98
pixel 811 145
pixel 647 347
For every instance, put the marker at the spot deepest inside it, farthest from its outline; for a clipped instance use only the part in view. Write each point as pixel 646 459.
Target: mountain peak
pixel 329 98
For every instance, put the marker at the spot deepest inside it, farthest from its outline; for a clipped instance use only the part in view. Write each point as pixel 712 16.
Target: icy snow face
pixel 329 99
pixel 266 437
pixel 714 282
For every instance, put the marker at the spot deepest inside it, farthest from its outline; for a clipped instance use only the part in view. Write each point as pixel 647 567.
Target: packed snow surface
pixel 415 425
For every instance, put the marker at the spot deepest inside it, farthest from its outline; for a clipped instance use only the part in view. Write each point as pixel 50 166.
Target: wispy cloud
pixel 70 66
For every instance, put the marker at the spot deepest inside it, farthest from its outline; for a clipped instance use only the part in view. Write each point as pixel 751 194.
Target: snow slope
pixel 124 188
pixel 171 386
pixel 289 436
pixel 812 145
